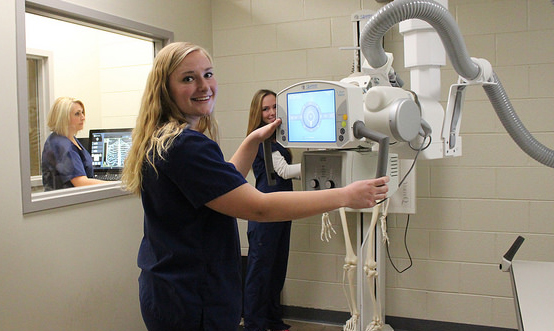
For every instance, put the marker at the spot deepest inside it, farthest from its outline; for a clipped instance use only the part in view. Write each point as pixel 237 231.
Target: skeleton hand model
pixel 326 227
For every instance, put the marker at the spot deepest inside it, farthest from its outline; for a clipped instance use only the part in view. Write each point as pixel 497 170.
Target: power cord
pixel 407 250
pixel 412 166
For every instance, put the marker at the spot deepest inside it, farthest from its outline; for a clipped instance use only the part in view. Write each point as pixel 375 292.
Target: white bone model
pixel 351 262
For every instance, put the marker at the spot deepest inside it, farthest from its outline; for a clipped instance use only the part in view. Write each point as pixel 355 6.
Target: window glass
pixel 65 50
pixel 105 70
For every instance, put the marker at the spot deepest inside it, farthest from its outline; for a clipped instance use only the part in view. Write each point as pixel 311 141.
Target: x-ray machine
pixel 349 126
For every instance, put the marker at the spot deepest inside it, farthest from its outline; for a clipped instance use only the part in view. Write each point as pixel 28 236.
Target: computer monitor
pixel 108 149
pixel 319 114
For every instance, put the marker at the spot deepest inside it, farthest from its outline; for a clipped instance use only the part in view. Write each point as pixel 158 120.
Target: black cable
pixel 409 170
pixel 413 163
pixel 407 250
pixel 421 148
pixel 381 201
pixel 408 220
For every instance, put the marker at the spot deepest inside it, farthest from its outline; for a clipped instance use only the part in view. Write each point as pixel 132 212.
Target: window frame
pixel 44 61
pixel 37 201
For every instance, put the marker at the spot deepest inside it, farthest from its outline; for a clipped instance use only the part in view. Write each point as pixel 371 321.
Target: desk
pixel 534 292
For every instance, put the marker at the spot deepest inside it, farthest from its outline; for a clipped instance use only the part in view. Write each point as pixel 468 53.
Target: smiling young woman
pixel 190 252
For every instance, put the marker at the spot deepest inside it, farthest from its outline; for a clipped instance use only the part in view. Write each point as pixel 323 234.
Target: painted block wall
pixel 74 268
pixel 469 209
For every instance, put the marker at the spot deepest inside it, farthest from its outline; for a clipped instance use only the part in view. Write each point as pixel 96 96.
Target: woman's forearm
pixel 85 181
pixel 245 154
pixel 299 204
pixel 246 202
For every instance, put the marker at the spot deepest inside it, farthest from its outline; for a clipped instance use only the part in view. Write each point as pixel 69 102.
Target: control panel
pixel 328 169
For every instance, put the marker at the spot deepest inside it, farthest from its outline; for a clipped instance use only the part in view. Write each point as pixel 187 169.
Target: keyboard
pixel 108 176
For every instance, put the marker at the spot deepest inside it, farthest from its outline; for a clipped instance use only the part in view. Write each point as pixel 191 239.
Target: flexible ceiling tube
pixel 451 37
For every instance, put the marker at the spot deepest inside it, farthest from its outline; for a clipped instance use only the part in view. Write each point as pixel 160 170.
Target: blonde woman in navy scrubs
pixel 268 249
pixel 190 252
pixel 65 162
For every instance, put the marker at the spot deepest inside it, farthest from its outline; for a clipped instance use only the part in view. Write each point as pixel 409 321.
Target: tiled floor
pixel 304 326
pixel 311 326
pixel 308 326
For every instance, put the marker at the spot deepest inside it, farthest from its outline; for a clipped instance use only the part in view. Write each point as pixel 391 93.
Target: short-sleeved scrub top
pixel 190 254
pixel 62 161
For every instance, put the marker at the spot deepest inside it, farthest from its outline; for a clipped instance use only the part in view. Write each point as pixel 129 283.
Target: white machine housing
pixel 319 114
pixel 326 169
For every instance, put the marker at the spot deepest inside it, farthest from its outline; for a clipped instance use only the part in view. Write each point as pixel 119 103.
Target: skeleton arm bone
pixel 350 255
pixel 350 263
pixel 370 270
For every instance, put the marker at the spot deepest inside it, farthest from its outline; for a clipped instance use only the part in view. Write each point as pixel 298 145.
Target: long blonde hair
pixel 255 116
pixel 160 121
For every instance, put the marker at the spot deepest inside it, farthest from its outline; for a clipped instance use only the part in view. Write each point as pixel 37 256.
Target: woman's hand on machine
pixel 366 193
pixel 265 131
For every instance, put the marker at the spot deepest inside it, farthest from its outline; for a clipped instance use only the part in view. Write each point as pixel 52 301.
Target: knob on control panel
pixel 314 183
pixel 329 184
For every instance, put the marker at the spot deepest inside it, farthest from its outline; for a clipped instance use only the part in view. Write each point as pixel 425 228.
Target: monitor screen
pixel 311 116
pixel 109 147
pixel 319 114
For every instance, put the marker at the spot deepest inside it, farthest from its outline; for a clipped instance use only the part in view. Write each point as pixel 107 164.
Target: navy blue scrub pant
pixel 265 275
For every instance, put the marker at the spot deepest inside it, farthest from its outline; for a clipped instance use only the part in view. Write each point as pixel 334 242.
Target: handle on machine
pixel 360 131
pixel 269 170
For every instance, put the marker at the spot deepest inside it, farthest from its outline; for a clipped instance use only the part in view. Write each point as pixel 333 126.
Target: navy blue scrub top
pixel 190 254
pixel 62 161
pixel 258 168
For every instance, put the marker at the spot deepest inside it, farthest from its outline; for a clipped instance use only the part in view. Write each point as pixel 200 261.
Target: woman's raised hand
pixel 265 131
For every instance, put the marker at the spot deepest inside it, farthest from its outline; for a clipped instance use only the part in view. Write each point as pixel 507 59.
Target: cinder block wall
pixel 469 209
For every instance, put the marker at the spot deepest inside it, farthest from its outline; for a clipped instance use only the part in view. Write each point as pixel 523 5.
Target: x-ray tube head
pixel 319 114
pixel 392 111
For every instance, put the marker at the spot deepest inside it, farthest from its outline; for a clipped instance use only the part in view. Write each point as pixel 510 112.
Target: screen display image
pixel 311 116
pixel 109 149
